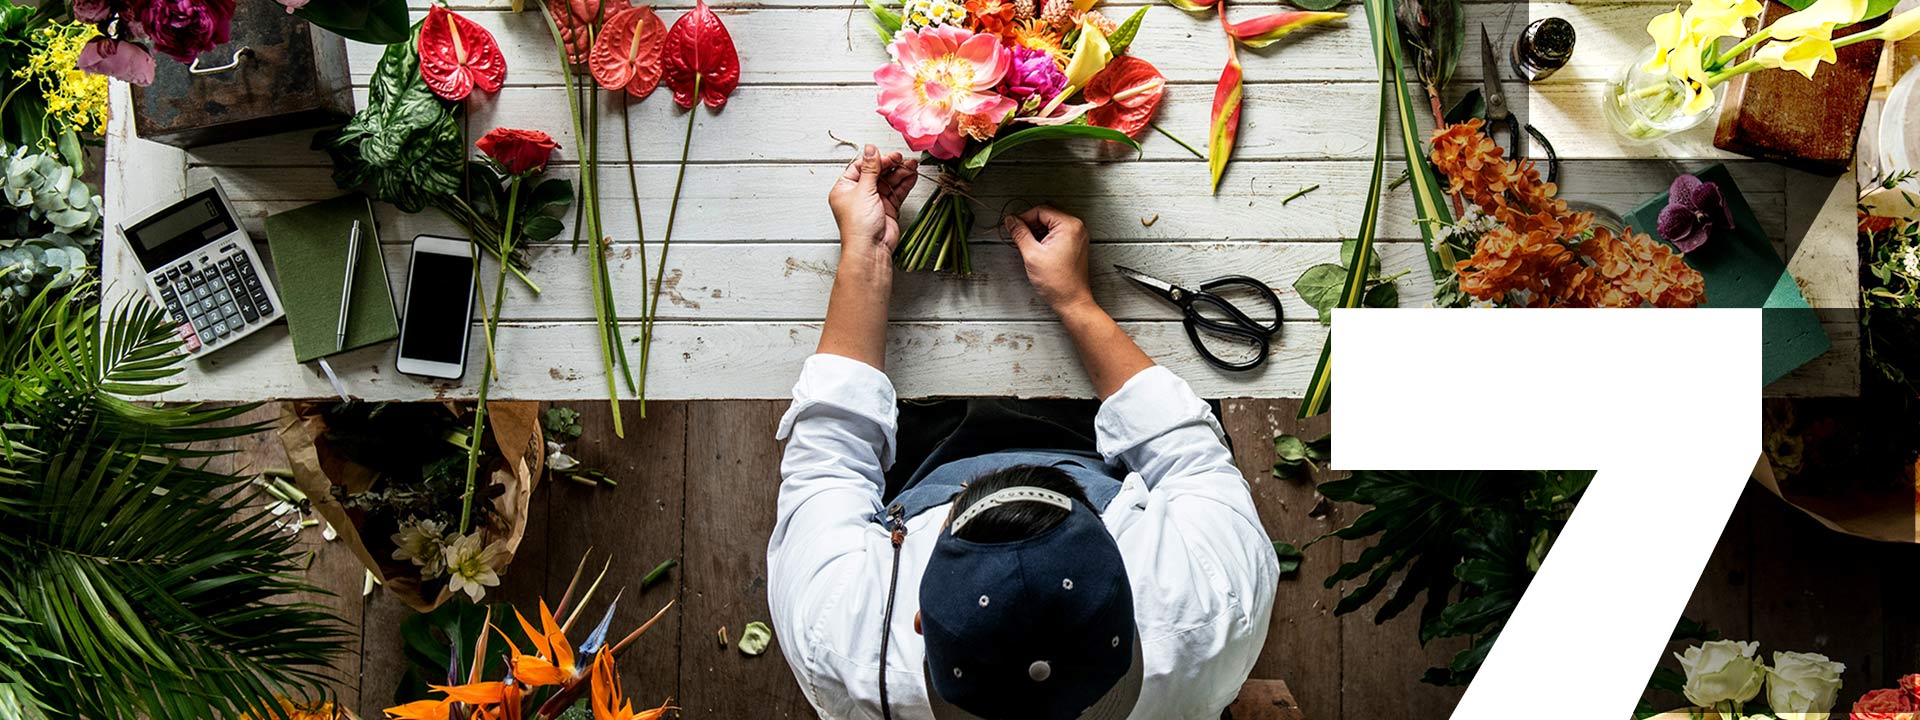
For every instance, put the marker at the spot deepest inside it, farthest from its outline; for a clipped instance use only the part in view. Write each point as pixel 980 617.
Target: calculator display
pixel 180 229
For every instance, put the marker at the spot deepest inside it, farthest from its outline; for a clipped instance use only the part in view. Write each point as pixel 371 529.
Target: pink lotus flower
pixel 939 74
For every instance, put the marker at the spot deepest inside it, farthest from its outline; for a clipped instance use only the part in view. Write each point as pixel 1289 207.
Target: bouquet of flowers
pixel 1729 680
pixel 972 79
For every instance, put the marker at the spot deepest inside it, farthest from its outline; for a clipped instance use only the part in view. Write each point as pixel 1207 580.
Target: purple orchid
pixel 1695 210
pixel 1034 76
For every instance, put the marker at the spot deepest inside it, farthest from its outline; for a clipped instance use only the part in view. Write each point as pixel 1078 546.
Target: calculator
pixel 203 268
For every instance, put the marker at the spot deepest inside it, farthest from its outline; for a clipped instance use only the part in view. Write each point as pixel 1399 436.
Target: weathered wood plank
pixel 1381 665
pixel 1187 48
pixel 633 526
pixel 1303 638
pixel 1806 579
pixel 733 474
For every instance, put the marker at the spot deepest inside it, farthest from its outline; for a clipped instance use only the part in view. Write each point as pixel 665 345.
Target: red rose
pixel 1886 704
pixel 1911 684
pixel 519 151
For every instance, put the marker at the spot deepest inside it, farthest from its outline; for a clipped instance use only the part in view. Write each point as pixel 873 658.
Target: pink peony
pixel 939 74
pixel 129 61
pixel 1033 76
pixel 184 28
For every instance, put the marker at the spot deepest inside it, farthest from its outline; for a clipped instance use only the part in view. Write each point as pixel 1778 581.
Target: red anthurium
pixel 1128 91
pixel 700 59
pixel 576 21
pixel 627 53
pixel 1264 30
pixel 457 55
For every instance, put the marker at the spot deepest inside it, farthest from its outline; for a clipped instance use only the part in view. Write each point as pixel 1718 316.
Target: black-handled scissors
pixel 1237 324
pixel 1498 113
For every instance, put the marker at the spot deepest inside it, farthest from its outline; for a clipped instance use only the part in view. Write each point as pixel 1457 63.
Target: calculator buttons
pixel 188 339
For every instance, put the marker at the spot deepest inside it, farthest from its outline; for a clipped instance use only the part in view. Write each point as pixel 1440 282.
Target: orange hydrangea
pixel 1540 254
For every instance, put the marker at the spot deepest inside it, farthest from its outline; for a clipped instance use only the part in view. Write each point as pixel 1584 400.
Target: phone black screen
pixel 438 290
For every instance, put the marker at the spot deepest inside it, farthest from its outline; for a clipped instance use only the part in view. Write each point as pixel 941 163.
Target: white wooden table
pixel 755 248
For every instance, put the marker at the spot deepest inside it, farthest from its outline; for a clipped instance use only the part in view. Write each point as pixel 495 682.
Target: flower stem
pixel 666 243
pixel 1182 143
pixel 1733 53
pixel 486 378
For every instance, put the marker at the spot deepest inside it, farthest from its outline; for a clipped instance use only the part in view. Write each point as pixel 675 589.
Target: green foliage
pixel 1470 541
pixel 1294 458
pixel 886 23
pixel 374 22
pixel 49 226
pixel 562 424
pixel 1890 296
pixel 439 646
pixel 1122 37
pixel 979 159
pixel 132 588
pixel 418 455
pixel 405 146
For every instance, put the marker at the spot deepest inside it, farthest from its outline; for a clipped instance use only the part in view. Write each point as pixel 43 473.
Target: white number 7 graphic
pixel 1665 404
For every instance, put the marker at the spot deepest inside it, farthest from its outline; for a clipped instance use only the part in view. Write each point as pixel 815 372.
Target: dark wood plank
pixel 1303 638
pixel 382 664
pixel 733 477
pixel 329 568
pixel 1723 597
pixel 1381 665
pixel 636 525
pixel 1817 591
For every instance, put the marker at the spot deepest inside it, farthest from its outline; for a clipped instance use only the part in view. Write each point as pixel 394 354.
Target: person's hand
pixel 866 201
pixel 1054 246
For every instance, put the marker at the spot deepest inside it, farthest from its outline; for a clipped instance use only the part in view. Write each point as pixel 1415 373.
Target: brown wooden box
pixel 1808 124
pixel 293 77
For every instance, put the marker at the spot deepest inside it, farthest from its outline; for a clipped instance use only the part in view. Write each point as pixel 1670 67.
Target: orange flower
pixel 608 702
pixel 553 661
pixel 991 16
pixel 1543 255
pixel 422 710
pixel 1038 35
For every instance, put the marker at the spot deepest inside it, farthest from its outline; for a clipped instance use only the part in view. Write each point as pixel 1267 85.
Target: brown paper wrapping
pixel 1887 516
pixel 515 428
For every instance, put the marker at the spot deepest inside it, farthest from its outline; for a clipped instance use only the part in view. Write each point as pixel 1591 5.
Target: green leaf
pixel 1290 557
pixel 540 228
pixel 1320 287
pixel 1383 295
pixel 1122 37
pixel 981 157
pixel 885 20
pixel 374 22
pixel 1314 4
pixel 549 193
pixel 405 146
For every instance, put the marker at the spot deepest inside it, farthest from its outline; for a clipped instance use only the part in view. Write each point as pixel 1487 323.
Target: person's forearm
pixel 1109 355
pixel 856 325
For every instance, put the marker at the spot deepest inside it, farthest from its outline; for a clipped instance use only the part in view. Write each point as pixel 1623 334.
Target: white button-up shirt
pixel 1202 569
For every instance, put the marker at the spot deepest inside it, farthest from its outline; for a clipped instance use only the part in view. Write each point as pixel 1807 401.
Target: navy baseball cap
pixel 1035 628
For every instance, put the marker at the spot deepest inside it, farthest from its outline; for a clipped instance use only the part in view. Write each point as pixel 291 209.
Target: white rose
pixel 1722 671
pixel 1803 686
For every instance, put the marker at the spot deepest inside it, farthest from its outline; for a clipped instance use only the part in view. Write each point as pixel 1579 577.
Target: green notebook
pixel 1742 270
pixel 309 247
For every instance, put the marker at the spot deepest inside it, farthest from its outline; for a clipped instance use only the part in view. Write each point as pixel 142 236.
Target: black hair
pixel 1020 520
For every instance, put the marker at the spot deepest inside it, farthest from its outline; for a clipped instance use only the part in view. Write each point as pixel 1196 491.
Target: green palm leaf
pixel 134 589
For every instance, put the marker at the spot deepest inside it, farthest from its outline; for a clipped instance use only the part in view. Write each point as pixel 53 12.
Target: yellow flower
pixel 1900 27
pixel 1091 53
pixel 1713 19
pixel 1667 31
pixel 1819 18
pixel 77 100
pixel 1803 55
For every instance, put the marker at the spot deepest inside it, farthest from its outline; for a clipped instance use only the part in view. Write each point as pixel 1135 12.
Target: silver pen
pixel 346 288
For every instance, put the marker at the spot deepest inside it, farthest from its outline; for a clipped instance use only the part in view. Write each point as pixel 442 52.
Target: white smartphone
pixel 439 309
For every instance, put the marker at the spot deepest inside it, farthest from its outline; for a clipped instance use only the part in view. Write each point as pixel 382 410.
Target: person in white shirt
pixel 1015 572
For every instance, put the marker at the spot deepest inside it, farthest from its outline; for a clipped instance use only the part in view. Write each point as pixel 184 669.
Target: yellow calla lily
pixel 1822 16
pixel 1802 55
pixel 1667 31
pixel 1084 5
pixel 1900 27
pixel 1091 53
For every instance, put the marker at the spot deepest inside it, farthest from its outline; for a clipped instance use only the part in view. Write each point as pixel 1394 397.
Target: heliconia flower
pixel 1265 30
pixel 627 53
pixel 119 59
pixel 700 59
pixel 1226 118
pixel 1033 75
pixel 457 55
pixel 1193 6
pixel 1126 94
pixel 937 75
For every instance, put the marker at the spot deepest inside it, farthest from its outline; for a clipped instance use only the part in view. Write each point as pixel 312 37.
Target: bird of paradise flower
pixel 548 677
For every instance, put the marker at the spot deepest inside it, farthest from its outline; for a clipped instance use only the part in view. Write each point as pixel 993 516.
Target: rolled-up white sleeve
pixel 1197 539
pixel 840 434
